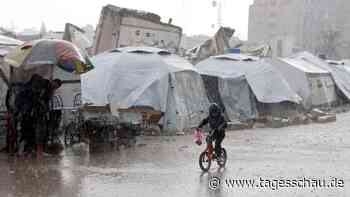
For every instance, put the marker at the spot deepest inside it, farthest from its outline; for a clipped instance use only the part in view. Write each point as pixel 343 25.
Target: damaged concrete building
pixel 121 27
pixel 318 26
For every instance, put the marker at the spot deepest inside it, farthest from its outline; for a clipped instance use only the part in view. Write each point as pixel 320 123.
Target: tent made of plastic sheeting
pixel 342 71
pixel 4 40
pixel 267 84
pixel 340 79
pixel 4 80
pixel 233 94
pixel 313 84
pixel 144 76
pixel 3 87
pixel 6 45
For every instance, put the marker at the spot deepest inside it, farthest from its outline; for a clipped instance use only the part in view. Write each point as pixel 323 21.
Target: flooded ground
pixel 168 166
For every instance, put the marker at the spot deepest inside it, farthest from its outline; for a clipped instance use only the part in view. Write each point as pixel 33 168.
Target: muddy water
pixel 168 166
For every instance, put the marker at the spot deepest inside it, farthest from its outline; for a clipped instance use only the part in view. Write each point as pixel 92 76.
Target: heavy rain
pixel 174 98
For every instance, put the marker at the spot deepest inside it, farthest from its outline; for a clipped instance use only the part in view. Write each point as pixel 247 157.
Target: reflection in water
pixel 70 175
pixel 155 169
pixel 206 185
pixel 29 177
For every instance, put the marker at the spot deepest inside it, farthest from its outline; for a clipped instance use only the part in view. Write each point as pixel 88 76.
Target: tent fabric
pixel 342 72
pixel 304 66
pixel 341 78
pixel 233 95
pixel 237 57
pixel 266 82
pixel 144 49
pixel 139 76
pixel 6 45
pixel 7 41
pixel 3 90
pixel 3 86
pixel 307 75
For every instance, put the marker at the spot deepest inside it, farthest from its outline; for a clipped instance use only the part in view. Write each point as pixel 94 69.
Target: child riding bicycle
pixel 217 124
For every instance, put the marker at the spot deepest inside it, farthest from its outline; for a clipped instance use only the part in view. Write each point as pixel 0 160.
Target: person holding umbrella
pixel 39 58
pixel 45 90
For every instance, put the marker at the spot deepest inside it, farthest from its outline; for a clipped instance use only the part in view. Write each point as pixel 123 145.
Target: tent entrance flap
pixel 233 95
pixel 238 98
pixel 211 84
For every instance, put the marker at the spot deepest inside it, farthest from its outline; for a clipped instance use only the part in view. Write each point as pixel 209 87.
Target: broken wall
pixel 120 27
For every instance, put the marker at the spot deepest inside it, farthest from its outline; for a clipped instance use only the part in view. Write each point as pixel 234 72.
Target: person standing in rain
pixel 44 91
pixel 23 114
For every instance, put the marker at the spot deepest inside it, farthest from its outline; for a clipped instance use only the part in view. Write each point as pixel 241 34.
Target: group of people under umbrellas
pixel 28 98
pixel 30 115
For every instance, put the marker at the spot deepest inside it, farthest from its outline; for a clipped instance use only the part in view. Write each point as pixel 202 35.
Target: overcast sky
pixel 194 16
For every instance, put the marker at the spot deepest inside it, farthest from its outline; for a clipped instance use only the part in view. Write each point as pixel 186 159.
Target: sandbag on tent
pixel 266 82
pixel 314 85
pixel 144 76
pixel 340 79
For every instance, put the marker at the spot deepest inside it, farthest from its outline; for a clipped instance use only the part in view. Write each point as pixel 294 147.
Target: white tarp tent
pixel 3 89
pixel 145 76
pixel 341 70
pixel 6 44
pixel 230 90
pixel 4 40
pixel 340 79
pixel 266 82
pixel 313 84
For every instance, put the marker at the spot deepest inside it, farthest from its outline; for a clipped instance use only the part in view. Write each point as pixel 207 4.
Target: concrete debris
pixel 315 113
pixel 320 116
pixel 211 47
pixel 327 118
pixel 136 29
pixel 300 119
pixel 277 122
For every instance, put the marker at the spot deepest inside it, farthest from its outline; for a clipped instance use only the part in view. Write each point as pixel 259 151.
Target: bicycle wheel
pixel 221 160
pixel 204 161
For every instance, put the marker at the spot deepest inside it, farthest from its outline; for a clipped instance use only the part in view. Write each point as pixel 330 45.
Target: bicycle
pixel 73 131
pixel 209 155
